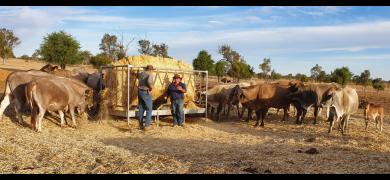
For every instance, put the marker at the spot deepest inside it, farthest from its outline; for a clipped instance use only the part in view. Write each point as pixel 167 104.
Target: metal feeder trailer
pixel 200 85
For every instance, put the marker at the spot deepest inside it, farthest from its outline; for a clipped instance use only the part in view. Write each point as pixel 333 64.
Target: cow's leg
pixel 34 114
pixel 327 112
pixel 304 111
pixel 228 111
pixel 71 110
pixel 298 115
pixel 250 111
pixel 62 118
pixel 316 110
pixel 4 104
pixel 212 112
pixel 238 111
pixel 39 119
pixel 381 124
pixel 331 125
pixel 242 112
pixel 220 106
pixel 18 109
pixel 285 115
pixel 367 120
pixel 258 116
pixel 345 124
pixel 263 113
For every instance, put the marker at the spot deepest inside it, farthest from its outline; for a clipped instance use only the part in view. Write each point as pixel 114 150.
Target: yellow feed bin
pixel 162 78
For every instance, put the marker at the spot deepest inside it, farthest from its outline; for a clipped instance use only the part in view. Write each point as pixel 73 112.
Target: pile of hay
pixel 161 81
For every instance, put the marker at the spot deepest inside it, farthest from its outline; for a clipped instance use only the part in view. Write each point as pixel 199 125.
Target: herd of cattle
pixel 50 89
pixel 57 90
pixel 340 102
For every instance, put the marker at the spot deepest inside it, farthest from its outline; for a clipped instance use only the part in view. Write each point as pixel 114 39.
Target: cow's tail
pixel 30 91
pixel 7 90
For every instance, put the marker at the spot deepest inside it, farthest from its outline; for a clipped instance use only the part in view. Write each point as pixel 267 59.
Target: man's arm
pixel 182 88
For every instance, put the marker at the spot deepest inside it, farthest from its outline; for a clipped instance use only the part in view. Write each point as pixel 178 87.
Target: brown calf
pixel 372 112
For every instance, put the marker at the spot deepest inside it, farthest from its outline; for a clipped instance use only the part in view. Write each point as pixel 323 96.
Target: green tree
pixel 160 50
pixel 245 71
pixel 123 47
pixel 323 77
pixel 226 52
pixel 100 59
pixel 145 47
pixel 341 75
pixel 315 72
pixel 378 84
pixel 204 62
pixel 36 55
pixel 365 80
pixel 289 76
pixel 60 47
pixel 25 57
pixel 275 75
pixel 356 79
pixel 236 65
pixel 85 56
pixel 8 41
pixel 220 69
pixel 302 77
pixel 265 66
pixel 109 45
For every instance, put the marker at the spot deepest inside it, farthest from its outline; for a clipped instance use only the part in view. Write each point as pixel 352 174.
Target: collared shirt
pixel 145 80
pixel 174 93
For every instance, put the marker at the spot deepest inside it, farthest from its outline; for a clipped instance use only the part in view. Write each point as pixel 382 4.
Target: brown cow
pixel 218 97
pixel 305 96
pixel 15 89
pixel 374 112
pixel 261 97
pixel 55 94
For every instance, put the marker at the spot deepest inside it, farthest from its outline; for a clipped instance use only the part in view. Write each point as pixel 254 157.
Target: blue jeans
pixel 177 111
pixel 145 103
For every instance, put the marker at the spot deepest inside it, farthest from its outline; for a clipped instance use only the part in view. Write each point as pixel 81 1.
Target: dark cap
pixel 149 67
pixel 176 76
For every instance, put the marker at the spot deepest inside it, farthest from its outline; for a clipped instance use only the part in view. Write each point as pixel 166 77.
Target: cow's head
pixel 86 101
pixel 366 107
pixel 327 97
pixel 238 95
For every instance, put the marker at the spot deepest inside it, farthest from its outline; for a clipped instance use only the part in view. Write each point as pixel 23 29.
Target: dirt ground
pixel 202 146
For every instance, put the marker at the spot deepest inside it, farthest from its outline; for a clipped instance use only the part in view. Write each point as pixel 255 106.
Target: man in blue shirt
pixel 176 92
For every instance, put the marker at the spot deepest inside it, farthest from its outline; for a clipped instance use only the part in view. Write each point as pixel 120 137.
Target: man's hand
pixel 179 88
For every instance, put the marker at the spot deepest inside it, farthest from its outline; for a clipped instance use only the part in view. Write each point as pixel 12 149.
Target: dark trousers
pixel 145 103
pixel 177 111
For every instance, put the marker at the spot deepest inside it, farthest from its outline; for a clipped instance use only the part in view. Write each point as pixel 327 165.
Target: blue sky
pixel 295 38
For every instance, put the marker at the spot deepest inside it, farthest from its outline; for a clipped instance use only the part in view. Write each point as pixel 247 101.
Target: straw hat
pixel 176 76
pixel 149 67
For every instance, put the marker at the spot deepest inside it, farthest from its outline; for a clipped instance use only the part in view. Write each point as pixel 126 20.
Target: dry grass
pixel 202 146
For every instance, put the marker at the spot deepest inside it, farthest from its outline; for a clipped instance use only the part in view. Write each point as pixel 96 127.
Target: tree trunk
pixel 62 66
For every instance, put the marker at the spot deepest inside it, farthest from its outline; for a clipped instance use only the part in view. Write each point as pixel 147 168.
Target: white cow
pixel 343 103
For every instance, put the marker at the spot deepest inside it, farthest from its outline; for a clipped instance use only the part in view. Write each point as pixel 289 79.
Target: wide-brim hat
pixel 176 76
pixel 149 67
